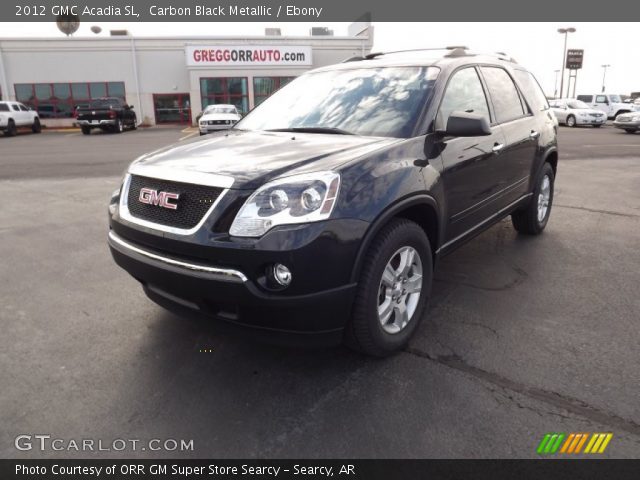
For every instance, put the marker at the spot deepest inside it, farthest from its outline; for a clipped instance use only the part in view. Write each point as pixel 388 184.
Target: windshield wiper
pixel 336 131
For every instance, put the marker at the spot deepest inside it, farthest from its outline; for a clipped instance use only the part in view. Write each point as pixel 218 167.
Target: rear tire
pixel 11 130
pixel 392 294
pixel 85 130
pixel 597 126
pixel 571 121
pixel 36 127
pixel 534 217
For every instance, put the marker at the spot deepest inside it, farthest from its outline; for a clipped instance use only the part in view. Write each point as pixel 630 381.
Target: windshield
pixel 577 104
pixel 217 109
pixel 615 99
pixel 367 101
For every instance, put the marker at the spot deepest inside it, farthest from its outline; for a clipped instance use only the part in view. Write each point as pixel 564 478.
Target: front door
pixel 172 108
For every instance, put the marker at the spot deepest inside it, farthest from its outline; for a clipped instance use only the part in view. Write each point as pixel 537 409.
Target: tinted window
pixel 585 98
pixel 4 107
pixel 105 103
pixel 532 91
pixel 23 108
pixel 504 94
pixel 464 93
pixel 384 101
pixel 15 108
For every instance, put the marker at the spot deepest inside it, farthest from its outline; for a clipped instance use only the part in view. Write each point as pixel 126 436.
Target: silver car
pixel 629 122
pixel 571 113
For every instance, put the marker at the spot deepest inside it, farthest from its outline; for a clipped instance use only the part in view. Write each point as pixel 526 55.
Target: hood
pixel 253 158
pixel 220 116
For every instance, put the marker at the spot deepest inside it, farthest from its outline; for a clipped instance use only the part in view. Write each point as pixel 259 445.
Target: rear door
pixel 520 130
pixel 471 169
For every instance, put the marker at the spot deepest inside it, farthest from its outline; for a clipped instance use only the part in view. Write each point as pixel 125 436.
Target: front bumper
pixel 96 123
pixel 214 128
pixel 591 120
pixel 232 289
pixel 627 125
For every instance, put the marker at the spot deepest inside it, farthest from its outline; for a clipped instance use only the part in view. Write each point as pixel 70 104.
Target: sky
pixel 537 46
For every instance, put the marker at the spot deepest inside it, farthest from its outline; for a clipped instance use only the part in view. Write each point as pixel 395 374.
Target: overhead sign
pixel 574 59
pixel 246 55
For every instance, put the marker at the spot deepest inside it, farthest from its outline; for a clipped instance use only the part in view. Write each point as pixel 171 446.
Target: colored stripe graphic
pixel 555 443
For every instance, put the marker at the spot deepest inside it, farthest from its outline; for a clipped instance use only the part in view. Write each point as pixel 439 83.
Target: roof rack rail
pixel 452 51
pixel 377 54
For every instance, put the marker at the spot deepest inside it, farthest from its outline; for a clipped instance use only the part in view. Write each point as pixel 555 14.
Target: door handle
pixel 533 135
pixel 497 148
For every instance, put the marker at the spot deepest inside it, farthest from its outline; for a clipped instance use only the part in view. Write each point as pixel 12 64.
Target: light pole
pixel 555 85
pixel 564 31
pixel 604 74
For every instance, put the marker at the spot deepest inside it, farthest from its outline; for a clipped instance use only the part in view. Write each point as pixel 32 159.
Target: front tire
pixel 628 130
pixel 11 130
pixel 597 126
pixel 534 217
pixel 118 127
pixel 36 127
pixel 85 130
pixel 393 291
pixel 571 121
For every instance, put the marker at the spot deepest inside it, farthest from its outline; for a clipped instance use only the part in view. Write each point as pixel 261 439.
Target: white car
pixel 14 115
pixel 572 112
pixel 611 104
pixel 218 117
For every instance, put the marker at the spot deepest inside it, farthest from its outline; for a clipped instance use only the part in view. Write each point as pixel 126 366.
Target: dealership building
pixel 166 79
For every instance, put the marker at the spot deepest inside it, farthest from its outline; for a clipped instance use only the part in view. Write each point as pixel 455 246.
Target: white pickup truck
pixel 14 115
pixel 608 103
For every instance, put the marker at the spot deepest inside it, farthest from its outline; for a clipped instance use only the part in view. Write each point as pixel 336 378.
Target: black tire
pixel 628 130
pixel 36 127
pixel 526 221
pixel 597 126
pixel 134 125
pixel 118 127
pixel 364 332
pixel 571 121
pixel 85 130
pixel 11 130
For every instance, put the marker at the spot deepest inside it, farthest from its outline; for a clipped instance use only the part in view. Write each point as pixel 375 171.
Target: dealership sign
pixel 245 55
pixel 574 59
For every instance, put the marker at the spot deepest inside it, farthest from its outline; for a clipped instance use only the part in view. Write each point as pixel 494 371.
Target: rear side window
pixel 4 107
pixel 15 108
pixel 464 93
pixel 23 108
pixel 504 94
pixel 585 98
pixel 532 91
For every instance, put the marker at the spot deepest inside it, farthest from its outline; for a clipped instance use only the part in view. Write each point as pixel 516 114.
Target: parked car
pixel 108 114
pixel 325 213
pixel 218 117
pixel 629 122
pixel 571 112
pixel 15 115
pixel 612 105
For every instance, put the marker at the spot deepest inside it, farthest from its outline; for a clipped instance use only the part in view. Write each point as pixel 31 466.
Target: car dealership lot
pixel 524 335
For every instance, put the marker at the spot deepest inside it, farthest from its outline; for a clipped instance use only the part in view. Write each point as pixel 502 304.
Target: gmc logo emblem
pixel 160 199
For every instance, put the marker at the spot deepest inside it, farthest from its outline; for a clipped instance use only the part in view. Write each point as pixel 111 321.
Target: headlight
pixel 297 199
pixel 635 118
pixel 114 200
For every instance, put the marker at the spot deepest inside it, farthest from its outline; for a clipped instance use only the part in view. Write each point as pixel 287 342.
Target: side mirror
pixel 131 107
pixel 465 124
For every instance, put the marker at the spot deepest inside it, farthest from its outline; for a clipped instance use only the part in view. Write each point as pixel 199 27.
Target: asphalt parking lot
pixel 524 335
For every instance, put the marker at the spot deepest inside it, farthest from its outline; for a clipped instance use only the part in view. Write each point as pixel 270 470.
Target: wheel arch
pixel 421 209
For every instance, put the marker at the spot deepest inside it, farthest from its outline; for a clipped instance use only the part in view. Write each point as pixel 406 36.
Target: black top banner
pixel 314 10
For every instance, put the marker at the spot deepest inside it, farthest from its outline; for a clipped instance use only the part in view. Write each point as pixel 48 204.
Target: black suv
pixel 325 209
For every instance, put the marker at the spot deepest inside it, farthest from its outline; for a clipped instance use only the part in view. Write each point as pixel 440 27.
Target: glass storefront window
pixel 228 90
pixel 58 100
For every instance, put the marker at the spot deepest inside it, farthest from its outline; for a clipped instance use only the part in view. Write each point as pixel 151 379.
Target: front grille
pixel 597 115
pixel 193 203
pixel 218 122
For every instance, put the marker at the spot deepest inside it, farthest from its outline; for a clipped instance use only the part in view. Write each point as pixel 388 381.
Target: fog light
pixel 282 274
